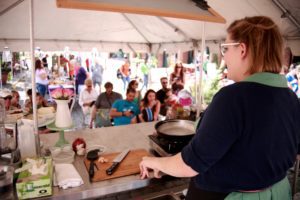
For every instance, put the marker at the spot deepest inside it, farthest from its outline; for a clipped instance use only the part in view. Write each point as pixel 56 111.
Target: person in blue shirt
pixel 293 79
pixel 248 137
pixel 123 111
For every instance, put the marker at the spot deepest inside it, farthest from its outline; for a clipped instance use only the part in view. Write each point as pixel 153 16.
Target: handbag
pixel 119 74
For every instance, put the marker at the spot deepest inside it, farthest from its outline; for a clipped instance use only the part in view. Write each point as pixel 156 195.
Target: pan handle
pixel 91 170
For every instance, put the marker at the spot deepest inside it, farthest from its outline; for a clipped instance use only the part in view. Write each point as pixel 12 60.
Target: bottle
pixel 26 139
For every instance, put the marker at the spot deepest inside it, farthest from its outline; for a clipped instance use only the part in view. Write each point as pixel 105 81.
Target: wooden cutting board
pixel 129 166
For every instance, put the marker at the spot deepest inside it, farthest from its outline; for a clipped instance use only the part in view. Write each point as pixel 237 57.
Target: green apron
pixel 279 191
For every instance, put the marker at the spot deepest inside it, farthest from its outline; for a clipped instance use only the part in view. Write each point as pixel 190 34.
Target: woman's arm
pixel 157 110
pixel 183 77
pixel 93 116
pixel 80 100
pixel 122 70
pixel 140 116
pixel 173 166
pixel 172 79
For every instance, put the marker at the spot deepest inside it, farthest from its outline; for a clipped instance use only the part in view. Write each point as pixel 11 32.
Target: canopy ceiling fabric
pixel 82 30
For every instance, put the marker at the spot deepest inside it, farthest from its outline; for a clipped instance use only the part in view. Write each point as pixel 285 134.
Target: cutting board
pixel 129 166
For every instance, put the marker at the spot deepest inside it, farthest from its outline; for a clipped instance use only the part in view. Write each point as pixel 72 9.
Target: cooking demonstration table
pixel 116 139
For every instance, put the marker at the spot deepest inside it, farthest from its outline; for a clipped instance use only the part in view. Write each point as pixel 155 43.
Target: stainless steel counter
pixel 115 139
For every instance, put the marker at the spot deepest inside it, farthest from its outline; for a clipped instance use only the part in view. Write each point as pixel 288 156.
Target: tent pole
pixel 10 7
pixel 175 28
pixel 135 27
pixel 195 49
pixel 34 105
pixel 200 95
pixel 1 74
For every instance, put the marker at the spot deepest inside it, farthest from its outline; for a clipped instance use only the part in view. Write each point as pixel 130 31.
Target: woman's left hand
pixel 147 164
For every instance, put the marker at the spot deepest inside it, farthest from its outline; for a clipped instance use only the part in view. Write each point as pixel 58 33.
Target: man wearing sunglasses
pixel 161 94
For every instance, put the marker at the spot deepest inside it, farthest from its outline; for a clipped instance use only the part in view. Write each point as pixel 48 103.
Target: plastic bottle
pixel 26 139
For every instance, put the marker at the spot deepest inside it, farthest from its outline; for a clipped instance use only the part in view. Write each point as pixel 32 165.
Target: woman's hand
pixel 149 163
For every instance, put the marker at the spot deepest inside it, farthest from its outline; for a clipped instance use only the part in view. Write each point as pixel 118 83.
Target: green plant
pixel 5 67
pixel 211 89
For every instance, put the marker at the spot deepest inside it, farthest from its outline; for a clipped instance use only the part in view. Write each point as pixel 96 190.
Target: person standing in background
pixel 145 68
pixel 80 78
pixel 177 79
pixel 97 76
pixel 125 71
pixel 72 64
pixel 45 62
pixel 41 78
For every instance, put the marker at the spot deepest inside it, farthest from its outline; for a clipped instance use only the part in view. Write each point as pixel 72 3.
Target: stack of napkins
pixel 67 176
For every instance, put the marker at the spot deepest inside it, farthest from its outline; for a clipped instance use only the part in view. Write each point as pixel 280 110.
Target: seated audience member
pixel 104 101
pixel 134 84
pixel 170 99
pixel 40 101
pixel 15 101
pixel 161 95
pixel 293 79
pixel 7 96
pixel 123 111
pixel 150 107
pixel 87 99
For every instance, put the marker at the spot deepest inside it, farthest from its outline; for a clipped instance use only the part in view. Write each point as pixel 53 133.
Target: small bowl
pixel 96 146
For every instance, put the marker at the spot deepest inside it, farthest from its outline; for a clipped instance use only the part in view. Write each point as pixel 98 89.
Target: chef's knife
pixel 116 162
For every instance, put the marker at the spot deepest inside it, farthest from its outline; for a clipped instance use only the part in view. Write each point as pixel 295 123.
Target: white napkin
pixel 37 166
pixel 67 176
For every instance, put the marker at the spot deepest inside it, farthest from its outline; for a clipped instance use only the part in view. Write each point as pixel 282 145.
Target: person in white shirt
pixel 41 78
pixel 87 99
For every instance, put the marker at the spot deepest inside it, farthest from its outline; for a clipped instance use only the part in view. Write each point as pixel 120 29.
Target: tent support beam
pixel 200 94
pixel 8 40
pixel 34 104
pixel 175 28
pixel 10 7
pixel 287 13
pixel 136 28
pixel 131 48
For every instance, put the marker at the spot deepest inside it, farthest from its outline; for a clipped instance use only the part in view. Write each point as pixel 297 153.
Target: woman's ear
pixel 244 50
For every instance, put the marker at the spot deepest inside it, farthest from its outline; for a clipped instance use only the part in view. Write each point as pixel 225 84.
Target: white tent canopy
pixel 81 30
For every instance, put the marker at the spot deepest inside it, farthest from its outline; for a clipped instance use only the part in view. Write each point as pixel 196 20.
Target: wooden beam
pixel 149 7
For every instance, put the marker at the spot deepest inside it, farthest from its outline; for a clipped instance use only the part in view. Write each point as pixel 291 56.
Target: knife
pixel 116 162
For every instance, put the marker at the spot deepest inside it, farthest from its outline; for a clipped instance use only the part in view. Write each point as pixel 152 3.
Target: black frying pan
pixel 176 130
pixel 92 156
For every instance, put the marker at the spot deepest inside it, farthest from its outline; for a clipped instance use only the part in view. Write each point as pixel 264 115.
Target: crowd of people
pixel 109 108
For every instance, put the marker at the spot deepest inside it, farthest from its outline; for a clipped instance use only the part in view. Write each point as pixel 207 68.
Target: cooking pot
pixel 176 130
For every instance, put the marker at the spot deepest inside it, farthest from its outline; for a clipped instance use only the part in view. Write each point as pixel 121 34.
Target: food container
pixel 30 186
pixel 63 154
